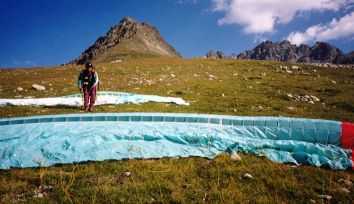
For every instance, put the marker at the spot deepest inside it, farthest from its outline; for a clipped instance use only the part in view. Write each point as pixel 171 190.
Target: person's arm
pixel 79 81
pixel 97 81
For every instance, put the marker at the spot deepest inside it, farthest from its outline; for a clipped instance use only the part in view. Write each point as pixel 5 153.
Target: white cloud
pixel 341 28
pixel 262 16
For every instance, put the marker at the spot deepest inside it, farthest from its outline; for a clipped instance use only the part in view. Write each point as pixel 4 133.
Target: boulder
pixel 247 176
pixel 344 190
pixel 38 87
pixel 325 197
pixel 235 157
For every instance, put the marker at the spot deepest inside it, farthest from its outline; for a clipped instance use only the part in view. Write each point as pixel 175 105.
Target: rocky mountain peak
pixel 127 37
pixel 127 19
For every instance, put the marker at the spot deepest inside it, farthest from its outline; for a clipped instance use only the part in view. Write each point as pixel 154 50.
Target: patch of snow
pixel 102 99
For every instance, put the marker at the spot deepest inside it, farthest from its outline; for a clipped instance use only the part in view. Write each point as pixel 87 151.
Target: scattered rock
pixel 127 173
pixel 38 87
pixel 333 82
pixel 149 82
pixel 42 191
pixel 289 71
pixel 325 197
pixel 283 67
pixel 123 176
pixel 291 108
pixel 46 187
pixel 304 98
pixel 247 176
pixel 314 98
pixel 346 182
pixel 312 201
pixel 211 77
pixel 116 61
pixel 21 197
pixel 344 190
pixel 38 195
pixel 19 88
pixel 235 157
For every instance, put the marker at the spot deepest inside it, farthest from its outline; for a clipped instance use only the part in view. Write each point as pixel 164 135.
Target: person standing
pixel 88 83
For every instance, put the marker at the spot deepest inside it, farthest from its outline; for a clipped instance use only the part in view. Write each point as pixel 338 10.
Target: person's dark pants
pixel 89 97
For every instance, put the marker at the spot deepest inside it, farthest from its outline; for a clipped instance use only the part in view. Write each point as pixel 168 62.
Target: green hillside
pixel 232 87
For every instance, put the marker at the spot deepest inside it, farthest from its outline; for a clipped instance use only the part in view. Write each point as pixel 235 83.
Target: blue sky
pixel 42 32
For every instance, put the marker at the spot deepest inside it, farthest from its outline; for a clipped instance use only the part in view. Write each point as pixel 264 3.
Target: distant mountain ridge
pixel 126 38
pixel 320 52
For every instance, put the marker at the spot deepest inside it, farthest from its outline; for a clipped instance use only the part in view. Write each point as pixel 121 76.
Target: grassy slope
pixel 235 87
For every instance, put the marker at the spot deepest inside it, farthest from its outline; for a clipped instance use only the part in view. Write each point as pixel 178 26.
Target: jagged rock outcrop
pixel 128 37
pixel 268 50
pixel 346 59
pixel 320 52
pixel 324 53
pixel 215 54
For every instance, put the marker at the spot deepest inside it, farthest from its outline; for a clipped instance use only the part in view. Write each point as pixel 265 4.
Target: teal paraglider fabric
pixel 48 140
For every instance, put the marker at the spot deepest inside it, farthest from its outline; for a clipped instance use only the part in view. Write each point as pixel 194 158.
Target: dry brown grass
pixel 212 86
